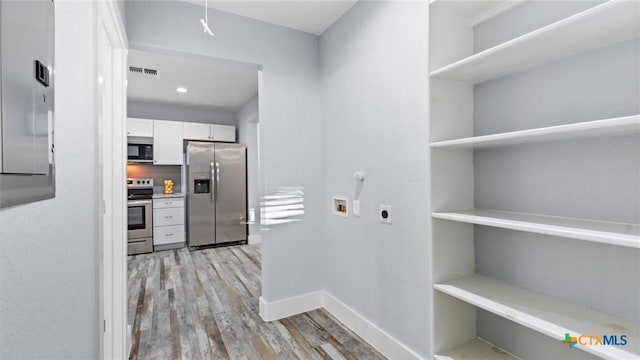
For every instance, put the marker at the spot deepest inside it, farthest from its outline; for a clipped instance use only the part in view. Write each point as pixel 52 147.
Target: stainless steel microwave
pixel 140 150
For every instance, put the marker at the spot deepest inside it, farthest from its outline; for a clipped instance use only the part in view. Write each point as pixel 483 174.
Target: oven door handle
pixel 139 202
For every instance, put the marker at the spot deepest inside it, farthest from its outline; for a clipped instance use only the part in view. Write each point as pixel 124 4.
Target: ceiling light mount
pixel 182 89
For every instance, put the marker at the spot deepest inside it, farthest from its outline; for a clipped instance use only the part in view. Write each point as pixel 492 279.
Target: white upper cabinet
pixel 207 132
pixel 223 133
pixel 195 131
pixel 167 142
pixel 139 127
pixel 169 135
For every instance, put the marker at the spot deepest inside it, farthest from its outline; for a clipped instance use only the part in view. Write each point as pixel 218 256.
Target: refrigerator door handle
pixel 217 180
pixel 215 186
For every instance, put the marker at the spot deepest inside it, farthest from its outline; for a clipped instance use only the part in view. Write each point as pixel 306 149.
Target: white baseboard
pixel 372 334
pixel 376 337
pixel 291 306
pixel 129 342
pixel 254 239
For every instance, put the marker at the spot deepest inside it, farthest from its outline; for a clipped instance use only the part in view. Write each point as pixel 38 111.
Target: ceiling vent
pixel 151 72
pixel 144 72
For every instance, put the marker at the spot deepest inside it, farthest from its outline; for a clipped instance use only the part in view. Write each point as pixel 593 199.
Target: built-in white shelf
pixel 599 26
pixel 475 12
pixel 588 129
pixel 476 349
pixel 545 314
pixel 589 230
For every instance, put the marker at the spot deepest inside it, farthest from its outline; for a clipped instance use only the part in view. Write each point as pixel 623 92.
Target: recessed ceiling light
pixel 181 89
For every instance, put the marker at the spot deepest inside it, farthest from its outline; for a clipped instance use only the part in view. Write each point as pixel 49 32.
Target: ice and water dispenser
pixel 202 186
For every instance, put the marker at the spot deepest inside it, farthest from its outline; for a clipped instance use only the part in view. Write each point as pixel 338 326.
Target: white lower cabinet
pixel 163 235
pixel 168 222
pixel 168 216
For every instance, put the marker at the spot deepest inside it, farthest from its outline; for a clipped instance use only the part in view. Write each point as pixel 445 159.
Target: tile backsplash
pixel 158 173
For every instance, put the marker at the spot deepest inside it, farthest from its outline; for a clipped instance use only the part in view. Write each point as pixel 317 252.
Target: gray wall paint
pixel 290 120
pixel 179 112
pixel 594 179
pixel 592 86
pixel 591 178
pixel 248 112
pixel 48 250
pixel 597 178
pixel 600 277
pixel 374 68
pixel 248 135
pixel 526 343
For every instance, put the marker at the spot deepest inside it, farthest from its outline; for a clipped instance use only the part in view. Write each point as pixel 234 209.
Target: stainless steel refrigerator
pixel 216 193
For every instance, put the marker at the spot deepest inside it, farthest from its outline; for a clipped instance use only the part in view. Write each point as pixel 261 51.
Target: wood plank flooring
pixel 204 305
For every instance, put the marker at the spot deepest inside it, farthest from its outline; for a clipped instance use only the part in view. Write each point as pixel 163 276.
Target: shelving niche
pixel 464 140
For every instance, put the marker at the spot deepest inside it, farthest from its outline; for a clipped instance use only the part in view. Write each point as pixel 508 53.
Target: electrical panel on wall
pixel 26 102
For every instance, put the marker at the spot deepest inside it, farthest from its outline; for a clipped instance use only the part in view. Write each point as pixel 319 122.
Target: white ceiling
pixel 312 16
pixel 213 83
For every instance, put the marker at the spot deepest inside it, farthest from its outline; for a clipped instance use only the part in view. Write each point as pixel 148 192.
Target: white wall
pixel 122 8
pixel 248 134
pixel 49 249
pixel 374 88
pixel 177 112
pixel 290 120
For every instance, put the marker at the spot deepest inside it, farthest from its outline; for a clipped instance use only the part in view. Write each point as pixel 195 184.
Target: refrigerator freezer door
pixel 230 192
pixel 200 197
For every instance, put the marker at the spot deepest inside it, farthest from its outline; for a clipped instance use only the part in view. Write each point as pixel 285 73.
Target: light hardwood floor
pixel 204 305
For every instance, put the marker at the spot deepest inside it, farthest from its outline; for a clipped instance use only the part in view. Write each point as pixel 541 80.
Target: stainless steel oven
pixel 140 216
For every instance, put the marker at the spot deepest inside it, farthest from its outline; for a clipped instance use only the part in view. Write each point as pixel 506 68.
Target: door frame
pixel 111 109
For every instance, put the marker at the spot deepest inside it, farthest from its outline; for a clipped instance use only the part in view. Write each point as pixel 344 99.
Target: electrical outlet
pixel 384 214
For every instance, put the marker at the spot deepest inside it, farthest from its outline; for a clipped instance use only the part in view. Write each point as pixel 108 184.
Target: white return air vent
pixel 144 72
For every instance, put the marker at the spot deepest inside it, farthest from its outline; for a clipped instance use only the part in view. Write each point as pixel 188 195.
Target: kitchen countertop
pixel 168 196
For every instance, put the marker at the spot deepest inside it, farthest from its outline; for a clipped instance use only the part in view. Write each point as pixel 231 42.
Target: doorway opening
pixel 212 104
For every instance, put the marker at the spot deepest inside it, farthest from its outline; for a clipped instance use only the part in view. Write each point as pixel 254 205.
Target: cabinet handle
pixel 168 235
pixel 168 217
